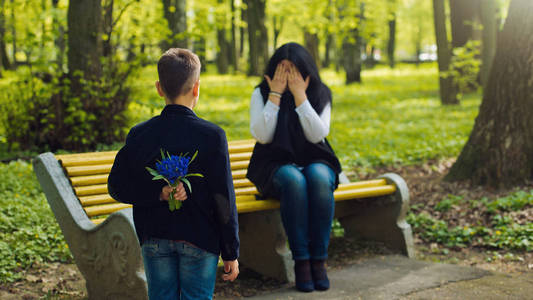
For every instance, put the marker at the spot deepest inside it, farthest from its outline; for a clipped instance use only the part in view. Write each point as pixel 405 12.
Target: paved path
pixel 397 277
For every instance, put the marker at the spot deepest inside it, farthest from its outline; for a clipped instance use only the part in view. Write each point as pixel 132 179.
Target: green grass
pixel 394 117
pixel 501 233
pixel 29 232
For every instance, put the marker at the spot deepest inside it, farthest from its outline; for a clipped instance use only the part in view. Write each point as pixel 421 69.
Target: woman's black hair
pixel 317 92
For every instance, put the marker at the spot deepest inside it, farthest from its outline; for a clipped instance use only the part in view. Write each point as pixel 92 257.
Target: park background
pixel 407 76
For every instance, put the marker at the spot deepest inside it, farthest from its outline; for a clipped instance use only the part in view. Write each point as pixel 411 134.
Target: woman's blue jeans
pixel 176 270
pixel 307 208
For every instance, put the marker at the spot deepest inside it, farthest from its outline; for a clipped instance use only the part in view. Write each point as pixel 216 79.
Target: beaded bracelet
pixel 275 94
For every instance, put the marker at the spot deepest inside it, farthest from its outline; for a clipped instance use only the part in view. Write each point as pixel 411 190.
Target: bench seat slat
pixel 367 192
pixel 237 183
pixel 96 199
pixel 102 189
pixel 89 180
pixel 106 168
pixel 362 184
pixel 109 158
pixel 104 209
pixel 91 190
pixel 258 205
pixel 246 191
pixel 234 147
pixel 245 203
pixel 238 175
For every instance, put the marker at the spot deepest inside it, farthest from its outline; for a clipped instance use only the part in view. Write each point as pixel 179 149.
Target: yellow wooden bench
pixel 76 188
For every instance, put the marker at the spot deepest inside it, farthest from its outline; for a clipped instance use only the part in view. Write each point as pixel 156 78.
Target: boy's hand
pixel 179 192
pixel 231 270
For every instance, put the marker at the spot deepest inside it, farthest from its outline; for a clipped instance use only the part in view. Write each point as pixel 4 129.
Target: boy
pixel 180 249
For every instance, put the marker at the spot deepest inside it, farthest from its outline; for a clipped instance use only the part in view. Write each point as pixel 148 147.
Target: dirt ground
pixel 63 281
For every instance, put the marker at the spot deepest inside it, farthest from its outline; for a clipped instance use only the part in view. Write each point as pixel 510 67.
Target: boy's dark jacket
pixel 208 218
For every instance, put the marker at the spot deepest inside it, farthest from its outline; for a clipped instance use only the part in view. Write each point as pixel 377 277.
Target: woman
pixel 292 160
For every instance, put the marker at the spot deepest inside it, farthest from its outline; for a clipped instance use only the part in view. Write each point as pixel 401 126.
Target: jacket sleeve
pixel 127 184
pixel 220 183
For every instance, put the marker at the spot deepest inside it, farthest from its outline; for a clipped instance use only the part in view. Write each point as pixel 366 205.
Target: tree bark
pixel 4 59
pixel 234 58
pixel 13 35
pixel 107 28
pixel 490 31
pixel 328 49
pixel 84 19
pixel 242 32
pixel 59 40
pixel 351 53
pixel 222 54
pixel 257 36
pixel 311 43
pixel 499 151
pixel 391 43
pixel 463 15
pixel 176 15
pixel 448 94
pixel 199 49
pixel 222 59
pixel 351 59
pixel 277 24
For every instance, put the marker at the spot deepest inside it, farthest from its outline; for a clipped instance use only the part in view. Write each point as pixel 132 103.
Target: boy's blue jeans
pixel 307 208
pixel 177 270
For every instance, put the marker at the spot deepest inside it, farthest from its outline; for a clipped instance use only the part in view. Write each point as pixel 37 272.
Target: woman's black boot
pixel 302 272
pixel 319 274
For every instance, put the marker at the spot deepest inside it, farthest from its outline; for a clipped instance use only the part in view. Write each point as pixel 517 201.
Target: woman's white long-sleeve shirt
pixel 264 117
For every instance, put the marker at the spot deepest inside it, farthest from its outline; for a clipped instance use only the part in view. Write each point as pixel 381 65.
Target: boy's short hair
pixel 178 70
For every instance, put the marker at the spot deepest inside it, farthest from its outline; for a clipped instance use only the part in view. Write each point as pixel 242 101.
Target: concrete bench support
pixel 382 219
pixel 264 245
pixel 108 255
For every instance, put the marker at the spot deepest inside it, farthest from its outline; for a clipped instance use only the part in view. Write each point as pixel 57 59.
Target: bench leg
pixel 381 219
pixel 111 261
pixel 264 245
pixel 108 255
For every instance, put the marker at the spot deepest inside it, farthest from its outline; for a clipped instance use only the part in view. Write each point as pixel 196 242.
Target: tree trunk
pixel 499 151
pixel 391 43
pixel 257 36
pixel 242 33
pixel 199 49
pixel 463 15
pixel 490 31
pixel 277 24
pixel 84 43
pixel 234 59
pixel 43 28
pixel 4 59
pixel 328 49
pixel 59 40
pixel 107 28
pixel 418 40
pixel 448 93
pixel 222 59
pixel 222 54
pixel 311 43
pixel 351 53
pixel 13 35
pixel 176 15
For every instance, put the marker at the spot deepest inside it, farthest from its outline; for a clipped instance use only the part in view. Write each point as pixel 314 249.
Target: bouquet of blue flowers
pixel 173 169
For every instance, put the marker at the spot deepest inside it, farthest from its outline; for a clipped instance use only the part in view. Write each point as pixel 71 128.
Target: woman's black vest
pixel 289 146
